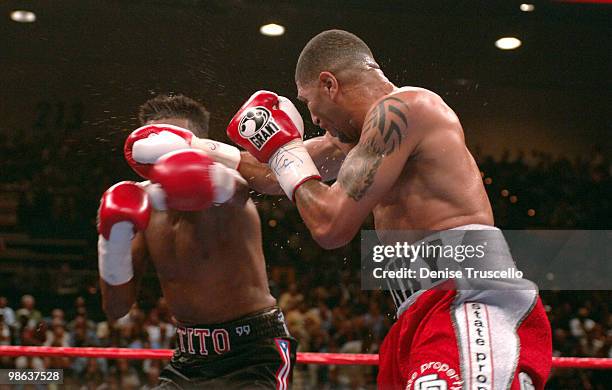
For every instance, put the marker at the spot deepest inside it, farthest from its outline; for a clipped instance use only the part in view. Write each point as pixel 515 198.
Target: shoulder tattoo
pixel 382 135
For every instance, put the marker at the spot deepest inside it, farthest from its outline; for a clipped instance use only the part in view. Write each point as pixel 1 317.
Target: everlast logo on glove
pixel 256 126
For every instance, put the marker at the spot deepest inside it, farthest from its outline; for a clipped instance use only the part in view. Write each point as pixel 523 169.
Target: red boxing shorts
pixel 449 339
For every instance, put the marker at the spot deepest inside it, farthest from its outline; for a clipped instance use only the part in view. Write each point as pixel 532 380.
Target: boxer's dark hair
pixel 176 106
pixel 333 51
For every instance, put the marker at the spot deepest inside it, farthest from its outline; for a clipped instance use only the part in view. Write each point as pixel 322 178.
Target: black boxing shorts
pixel 252 352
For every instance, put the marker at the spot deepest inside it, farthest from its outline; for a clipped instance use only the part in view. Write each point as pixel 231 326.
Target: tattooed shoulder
pixel 382 134
pixel 385 124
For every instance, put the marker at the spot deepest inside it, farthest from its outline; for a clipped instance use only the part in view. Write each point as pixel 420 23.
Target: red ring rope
pixel 304 357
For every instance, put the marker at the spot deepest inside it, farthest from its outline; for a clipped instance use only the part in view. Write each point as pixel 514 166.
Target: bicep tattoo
pixel 382 135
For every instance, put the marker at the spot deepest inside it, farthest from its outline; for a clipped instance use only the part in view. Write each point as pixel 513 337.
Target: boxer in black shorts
pixel 261 355
pixel 202 234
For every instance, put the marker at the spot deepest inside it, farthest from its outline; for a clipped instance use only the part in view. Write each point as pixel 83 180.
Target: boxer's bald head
pixel 179 109
pixel 336 51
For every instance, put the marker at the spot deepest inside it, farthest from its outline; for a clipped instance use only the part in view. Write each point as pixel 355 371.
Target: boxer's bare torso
pixel 440 186
pixel 210 263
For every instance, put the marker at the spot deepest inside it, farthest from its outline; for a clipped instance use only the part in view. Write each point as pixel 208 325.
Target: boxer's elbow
pixel 114 314
pixel 330 242
pixel 333 235
pixel 116 300
pixel 331 223
pixel 115 311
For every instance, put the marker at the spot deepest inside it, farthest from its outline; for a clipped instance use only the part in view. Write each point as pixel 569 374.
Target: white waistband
pixel 475 226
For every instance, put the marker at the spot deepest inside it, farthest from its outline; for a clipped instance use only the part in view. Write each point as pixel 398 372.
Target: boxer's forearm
pixel 259 176
pixel 326 156
pixel 324 213
pixel 117 300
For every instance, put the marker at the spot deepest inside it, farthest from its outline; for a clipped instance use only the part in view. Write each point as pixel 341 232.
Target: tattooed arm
pixel 335 213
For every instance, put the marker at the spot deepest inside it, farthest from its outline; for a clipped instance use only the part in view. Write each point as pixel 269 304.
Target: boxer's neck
pixel 373 86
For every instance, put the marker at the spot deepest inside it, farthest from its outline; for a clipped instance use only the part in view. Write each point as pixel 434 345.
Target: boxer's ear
pixel 328 84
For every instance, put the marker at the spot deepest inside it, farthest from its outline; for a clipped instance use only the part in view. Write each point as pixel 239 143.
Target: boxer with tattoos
pixel 407 163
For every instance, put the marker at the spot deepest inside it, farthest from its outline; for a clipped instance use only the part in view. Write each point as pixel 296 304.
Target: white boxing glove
pixel 145 145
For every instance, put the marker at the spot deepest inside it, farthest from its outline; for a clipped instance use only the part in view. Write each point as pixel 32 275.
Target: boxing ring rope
pixel 302 357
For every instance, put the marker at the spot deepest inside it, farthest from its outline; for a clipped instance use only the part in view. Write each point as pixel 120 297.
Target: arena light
pixel 526 7
pixel 272 30
pixel 508 43
pixel 21 16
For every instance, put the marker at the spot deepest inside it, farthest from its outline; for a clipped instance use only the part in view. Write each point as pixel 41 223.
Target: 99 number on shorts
pixel 31 377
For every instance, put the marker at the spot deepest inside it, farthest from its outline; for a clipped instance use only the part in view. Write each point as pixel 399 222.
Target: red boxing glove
pixel 124 208
pixel 146 144
pixel 124 202
pixel 261 127
pixel 270 128
pixel 192 181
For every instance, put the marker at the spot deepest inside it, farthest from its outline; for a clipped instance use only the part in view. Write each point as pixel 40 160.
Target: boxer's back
pixel 440 186
pixel 210 263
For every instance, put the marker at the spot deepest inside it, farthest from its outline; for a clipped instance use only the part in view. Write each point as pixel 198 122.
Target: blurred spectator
pixel 290 299
pixel 5 332
pixel 58 337
pixel 103 334
pixel 592 342
pixel 66 282
pixel 81 334
pixel 28 309
pixel 57 315
pixel 95 373
pixel 582 324
pixel 5 339
pixel 32 333
pixel 160 333
pixel 7 312
pixel 151 378
pixel 128 375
